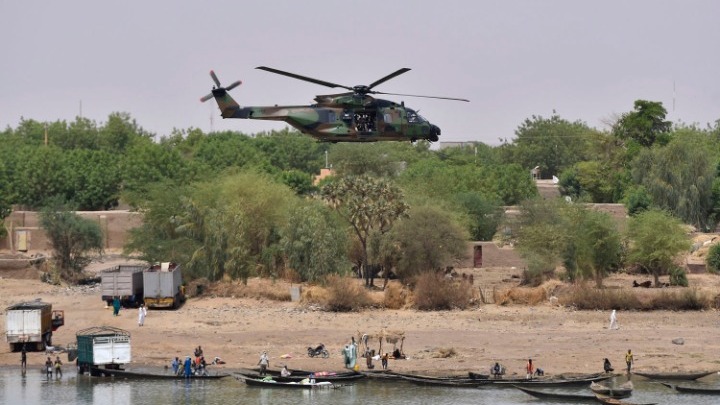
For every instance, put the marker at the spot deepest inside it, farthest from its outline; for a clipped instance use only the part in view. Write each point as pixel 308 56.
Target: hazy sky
pixel 587 60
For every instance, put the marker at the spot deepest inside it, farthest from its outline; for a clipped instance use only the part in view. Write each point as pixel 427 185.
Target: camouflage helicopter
pixel 354 116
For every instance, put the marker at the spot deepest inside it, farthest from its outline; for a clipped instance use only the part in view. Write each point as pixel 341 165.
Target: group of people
pixel 629 361
pixel 190 366
pixel 142 310
pixel 56 365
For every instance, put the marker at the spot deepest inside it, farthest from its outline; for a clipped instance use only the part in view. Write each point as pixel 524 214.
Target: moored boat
pixel 696 389
pixel 556 396
pixel 603 399
pixel 623 391
pixel 319 377
pixel 674 376
pixel 267 383
pixel 554 382
pixel 119 373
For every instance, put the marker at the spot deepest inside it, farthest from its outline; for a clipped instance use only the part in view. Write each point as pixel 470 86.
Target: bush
pixel 713 259
pixel 678 277
pixel 396 296
pixel 345 294
pixel 685 299
pixel 434 292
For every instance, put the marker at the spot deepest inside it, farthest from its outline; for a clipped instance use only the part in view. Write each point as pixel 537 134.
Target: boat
pixel 267 383
pixel 697 389
pixel 623 391
pixel 675 376
pixel 580 381
pixel 556 396
pixel 603 399
pixel 120 373
pixel 444 382
pixel 383 375
pixel 319 377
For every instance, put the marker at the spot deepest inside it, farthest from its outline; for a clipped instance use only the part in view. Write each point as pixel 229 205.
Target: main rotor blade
pixel 388 77
pixel 305 78
pixel 415 95
pixel 215 79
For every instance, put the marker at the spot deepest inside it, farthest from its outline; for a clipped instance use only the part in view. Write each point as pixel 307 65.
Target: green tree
pixel 541 234
pixel 428 240
pixel 656 240
pixel 368 205
pixel 645 125
pixel 485 215
pixel 314 242
pixel 72 238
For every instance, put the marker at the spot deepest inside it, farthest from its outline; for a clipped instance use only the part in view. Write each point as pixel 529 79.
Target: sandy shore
pixel 559 340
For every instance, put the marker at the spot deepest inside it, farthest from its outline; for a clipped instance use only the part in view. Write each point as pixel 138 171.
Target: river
pixel 35 388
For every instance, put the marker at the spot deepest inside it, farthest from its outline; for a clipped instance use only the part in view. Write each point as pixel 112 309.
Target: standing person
pixel 116 306
pixel 175 365
pixel 384 360
pixel 613 320
pixel 530 369
pixel 58 367
pixel 23 358
pixel 629 360
pixel 264 363
pixel 142 313
pixel 48 367
pixel 187 367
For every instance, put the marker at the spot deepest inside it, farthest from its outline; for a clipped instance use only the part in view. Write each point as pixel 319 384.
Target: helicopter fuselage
pixel 341 118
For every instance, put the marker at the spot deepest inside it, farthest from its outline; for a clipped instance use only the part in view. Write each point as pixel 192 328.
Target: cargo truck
pixel 31 324
pixel 163 286
pixel 125 282
pixel 102 347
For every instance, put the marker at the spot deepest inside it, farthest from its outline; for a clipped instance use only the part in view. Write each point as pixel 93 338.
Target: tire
pixel 325 354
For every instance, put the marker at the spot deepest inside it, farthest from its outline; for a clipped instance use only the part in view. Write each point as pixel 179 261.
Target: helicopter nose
pixel 434 133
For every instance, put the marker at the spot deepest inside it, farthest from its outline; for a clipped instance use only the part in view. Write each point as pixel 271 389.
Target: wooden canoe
pixel 300 377
pixel 675 376
pixel 697 389
pixel 550 396
pixel 554 382
pixel 622 391
pixel 614 401
pixel 118 373
pixel 444 382
pixel 291 385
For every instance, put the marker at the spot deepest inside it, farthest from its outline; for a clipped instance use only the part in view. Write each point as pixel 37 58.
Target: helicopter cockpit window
pixel 414 117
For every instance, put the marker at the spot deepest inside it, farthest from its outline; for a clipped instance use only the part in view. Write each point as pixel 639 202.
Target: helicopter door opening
pixel 365 121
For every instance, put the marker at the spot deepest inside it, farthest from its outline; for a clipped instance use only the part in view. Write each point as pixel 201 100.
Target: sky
pixel 583 60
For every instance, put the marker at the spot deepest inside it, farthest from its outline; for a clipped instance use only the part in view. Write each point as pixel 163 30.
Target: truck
pixel 125 282
pixel 101 347
pixel 163 286
pixel 31 324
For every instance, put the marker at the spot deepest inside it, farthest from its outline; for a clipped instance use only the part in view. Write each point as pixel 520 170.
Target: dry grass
pixel 445 353
pixel 435 292
pixel 396 296
pixel 527 295
pixel 679 299
pixel 340 294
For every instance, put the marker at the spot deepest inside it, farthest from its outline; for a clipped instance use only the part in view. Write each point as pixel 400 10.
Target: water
pixel 35 388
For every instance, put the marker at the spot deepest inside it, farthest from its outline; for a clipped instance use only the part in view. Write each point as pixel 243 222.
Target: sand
pixel 560 340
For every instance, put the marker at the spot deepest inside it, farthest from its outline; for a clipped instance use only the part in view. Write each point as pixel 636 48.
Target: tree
pixel 314 242
pixel 541 236
pixel 428 240
pixel 71 238
pixel 368 205
pixel 645 125
pixel 485 215
pixel 656 240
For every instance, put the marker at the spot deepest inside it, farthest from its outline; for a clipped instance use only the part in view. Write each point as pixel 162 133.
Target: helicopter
pixel 354 116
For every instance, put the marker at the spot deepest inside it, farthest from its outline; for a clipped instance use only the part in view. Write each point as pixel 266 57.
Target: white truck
pixel 101 347
pixel 163 286
pixel 31 324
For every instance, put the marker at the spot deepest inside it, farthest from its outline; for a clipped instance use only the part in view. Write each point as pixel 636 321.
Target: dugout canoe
pixel 675 376
pixel 623 391
pixel 582 381
pixel 556 396
pixel 299 377
pixel 251 382
pixel 614 401
pixel 125 374
pixel 698 389
pixel 443 382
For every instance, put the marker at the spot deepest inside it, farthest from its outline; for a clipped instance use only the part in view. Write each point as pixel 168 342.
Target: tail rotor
pixel 218 89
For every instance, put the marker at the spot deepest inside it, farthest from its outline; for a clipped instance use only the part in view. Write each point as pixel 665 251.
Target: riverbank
pixel 558 339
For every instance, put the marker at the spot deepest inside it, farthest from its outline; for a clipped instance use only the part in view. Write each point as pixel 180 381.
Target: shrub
pixel 434 292
pixel 678 277
pixel 396 296
pixel 713 259
pixel 583 297
pixel 686 300
pixel 345 294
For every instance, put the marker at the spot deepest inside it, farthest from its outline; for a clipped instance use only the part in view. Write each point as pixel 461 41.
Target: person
pixel 285 372
pixel 175 365
pixel 607 366
pixel 264 363
pixel 23 358
pixel 530 369
pixel 312 378
pixel 199 351
pixel 629 360
pixel 368 359
pixel 187 366
pixel 142 313
pixel 116 306
pixel 384 361
pixel 497 370
pixel 48 367
pixel 613 320
pixel 58 367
